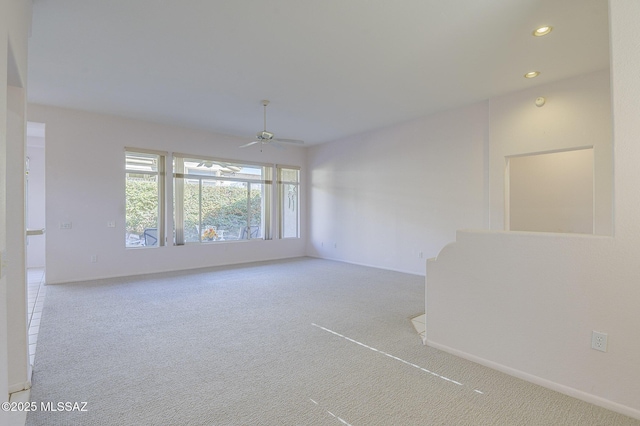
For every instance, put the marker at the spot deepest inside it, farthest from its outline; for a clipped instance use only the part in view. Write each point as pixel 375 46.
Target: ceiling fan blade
pixel 291 141
pixel 266 138
pixel 248 144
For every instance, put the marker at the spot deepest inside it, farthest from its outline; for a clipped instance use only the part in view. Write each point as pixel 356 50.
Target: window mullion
pixel 200 210
pixel 161 176
pixel 248 210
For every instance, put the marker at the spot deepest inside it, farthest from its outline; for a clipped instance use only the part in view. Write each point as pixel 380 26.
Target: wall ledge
pixel 463 232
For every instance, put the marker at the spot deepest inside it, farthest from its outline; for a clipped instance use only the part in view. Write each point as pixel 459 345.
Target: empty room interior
pixel 289 212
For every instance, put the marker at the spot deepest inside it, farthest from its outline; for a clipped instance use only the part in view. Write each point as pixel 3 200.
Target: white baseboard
pixel 22 386
pixel 566 390
pixel 19 387
pixel 171 270
pixel 368 265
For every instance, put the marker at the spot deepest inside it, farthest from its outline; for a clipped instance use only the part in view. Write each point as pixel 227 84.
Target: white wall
pixel 494 297
pixel 14 370
pixel 385 197
pixel 551 192
pixel 577 114
pixel 16 240
pixel 36 201
pixel 85 183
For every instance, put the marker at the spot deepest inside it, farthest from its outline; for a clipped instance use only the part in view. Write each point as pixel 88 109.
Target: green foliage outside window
pixel 223 207
pixel 142 204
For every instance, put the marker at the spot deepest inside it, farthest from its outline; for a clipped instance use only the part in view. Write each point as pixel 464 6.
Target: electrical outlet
pixel 420 255
pixel 599 341
pixel 111 224
pixel 65 225
pixel 94 258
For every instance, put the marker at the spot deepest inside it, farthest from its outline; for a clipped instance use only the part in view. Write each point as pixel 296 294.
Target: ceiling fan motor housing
pixel 264 135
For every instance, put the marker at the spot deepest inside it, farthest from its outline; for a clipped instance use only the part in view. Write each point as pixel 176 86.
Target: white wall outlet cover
pixel 599 341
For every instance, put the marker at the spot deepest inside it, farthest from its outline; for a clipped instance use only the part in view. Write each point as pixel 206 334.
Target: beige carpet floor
pixel 295 342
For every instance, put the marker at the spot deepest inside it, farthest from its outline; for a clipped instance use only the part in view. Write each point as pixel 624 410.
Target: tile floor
pixel 35 300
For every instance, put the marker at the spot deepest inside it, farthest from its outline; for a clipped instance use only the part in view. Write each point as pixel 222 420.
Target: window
pixel 217 200
pixel 288 190
pixel 144 198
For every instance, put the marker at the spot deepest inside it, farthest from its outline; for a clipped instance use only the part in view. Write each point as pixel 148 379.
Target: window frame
pixel 180 176
pixel 160 178
pixel 281 195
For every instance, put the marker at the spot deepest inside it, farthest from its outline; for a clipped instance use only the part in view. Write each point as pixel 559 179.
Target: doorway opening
pixel 36 237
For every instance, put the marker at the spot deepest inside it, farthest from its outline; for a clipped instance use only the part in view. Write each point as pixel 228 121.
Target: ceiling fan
pixel 264 137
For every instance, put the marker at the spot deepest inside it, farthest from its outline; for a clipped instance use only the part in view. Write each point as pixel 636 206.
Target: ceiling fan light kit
pixel 264 137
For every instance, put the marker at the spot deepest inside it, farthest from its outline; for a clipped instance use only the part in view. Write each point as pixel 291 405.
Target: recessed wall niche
pixel 551 192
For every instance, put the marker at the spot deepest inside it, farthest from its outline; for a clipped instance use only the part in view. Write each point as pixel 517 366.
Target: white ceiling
pixel 331 68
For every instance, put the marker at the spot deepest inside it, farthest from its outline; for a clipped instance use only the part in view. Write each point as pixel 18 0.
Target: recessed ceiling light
pixel 532 74
pixel 542 31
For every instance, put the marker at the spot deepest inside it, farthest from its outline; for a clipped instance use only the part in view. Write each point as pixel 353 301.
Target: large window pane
pixel 289 184
pixel 143 196
pixel 192 210
pixel 222 200
pixel 256 204
pixel 290 211
pixel 225 208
